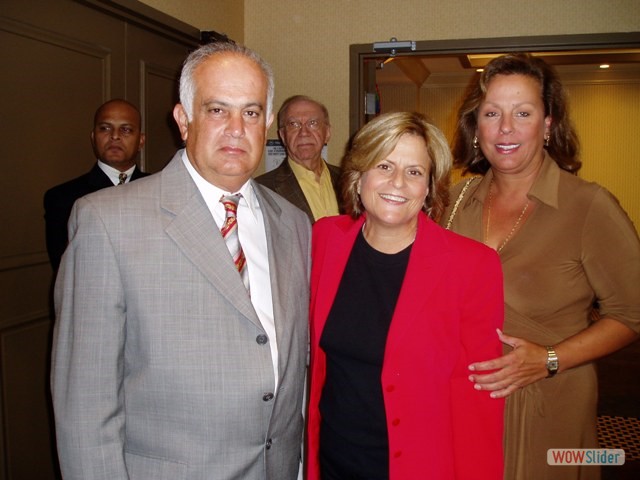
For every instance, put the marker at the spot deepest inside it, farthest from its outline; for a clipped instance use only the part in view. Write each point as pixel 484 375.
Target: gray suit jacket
pixel 283 181
pixel 160 366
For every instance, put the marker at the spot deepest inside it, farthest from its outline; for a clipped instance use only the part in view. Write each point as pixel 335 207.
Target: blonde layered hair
pixel 377 139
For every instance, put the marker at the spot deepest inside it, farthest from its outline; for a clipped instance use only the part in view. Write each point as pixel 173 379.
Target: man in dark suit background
pixel 304 177
pixel 117 140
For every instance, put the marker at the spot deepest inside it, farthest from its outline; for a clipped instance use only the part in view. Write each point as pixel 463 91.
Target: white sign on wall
pixel 276 153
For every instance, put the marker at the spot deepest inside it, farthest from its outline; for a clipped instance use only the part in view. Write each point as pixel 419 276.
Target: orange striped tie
pixel 229 232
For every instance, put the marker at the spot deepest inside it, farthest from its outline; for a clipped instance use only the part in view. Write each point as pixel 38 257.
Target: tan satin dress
pixel 578 245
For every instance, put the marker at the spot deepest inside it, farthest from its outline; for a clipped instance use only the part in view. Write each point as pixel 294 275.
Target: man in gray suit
pixel 304 177
pixel 165 366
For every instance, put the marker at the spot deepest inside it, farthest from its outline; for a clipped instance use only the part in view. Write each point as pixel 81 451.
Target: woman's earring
pixel 475 142
pixel 546 139
pixel 358 188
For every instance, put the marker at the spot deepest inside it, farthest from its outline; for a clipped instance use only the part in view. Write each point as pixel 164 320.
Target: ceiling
pixel 421 69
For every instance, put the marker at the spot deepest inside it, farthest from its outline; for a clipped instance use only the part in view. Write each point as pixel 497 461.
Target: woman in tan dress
pixel 566 247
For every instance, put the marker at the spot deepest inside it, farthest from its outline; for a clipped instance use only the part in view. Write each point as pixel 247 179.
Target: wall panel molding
pixel 54 38
pixel 61 60
pixel 23 260
pixel 144 16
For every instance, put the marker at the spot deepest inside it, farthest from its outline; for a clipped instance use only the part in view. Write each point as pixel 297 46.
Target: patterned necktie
pixel 229 232
pixel 122 178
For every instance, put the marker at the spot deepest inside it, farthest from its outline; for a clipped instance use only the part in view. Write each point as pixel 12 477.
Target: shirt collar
pixel 114 173
pixel 544 188
pixel 302 172
pixel 212 194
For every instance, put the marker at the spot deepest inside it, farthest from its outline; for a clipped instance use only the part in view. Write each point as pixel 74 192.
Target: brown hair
pixel 563 145
pixel 377 139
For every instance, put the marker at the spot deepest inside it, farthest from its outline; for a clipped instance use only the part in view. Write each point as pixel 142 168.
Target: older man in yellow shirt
pixel 304 177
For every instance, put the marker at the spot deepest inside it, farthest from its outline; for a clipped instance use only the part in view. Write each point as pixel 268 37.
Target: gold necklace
pixel 515 225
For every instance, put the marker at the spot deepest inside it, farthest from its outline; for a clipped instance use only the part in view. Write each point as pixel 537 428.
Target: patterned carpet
pixel 619 410
pixel 620 432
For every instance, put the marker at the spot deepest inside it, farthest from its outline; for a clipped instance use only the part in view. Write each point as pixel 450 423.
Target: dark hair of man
pixel 379 138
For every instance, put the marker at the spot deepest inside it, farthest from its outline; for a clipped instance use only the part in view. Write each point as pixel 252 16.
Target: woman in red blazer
pixel 399 309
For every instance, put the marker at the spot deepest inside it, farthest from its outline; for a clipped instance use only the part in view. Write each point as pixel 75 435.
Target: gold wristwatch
pixel 552 362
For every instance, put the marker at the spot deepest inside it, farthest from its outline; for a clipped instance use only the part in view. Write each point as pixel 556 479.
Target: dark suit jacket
pixel 59 200
pixel 283 181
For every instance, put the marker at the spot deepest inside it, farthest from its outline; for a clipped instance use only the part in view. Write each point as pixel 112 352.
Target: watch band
pixel 552 362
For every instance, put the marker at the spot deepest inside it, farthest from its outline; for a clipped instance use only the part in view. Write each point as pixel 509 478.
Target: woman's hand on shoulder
pixel 525 364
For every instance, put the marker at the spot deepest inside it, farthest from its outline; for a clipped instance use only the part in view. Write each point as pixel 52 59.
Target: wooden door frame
pixel 144 16
pixel 360 52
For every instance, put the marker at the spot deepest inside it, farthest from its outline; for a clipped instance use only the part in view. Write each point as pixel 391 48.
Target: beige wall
pixel 311 53
pixel 307 44
pixel 606 114
pixel 222 16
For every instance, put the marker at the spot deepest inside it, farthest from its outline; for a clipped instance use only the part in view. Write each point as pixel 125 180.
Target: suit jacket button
pixel 262 339
pixel 267 396
pixel 268 444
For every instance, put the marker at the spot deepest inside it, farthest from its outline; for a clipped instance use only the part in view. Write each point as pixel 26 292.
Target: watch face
pixel 552 361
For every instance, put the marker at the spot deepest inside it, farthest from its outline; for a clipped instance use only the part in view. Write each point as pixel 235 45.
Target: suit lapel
pixel 424 271
pixel 196 234
pixel 335 174
pixel 278 231
pixel 329 266
pixel 98 179
pixel 137 173
pixel 289 187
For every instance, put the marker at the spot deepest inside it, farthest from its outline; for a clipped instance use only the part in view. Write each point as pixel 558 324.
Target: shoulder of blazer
pixel 332 231
pixel 334 171
pixel 268 196
pixel 281 175
pixel 436 240
pixel 175 183
pixel 278 204
pixel 97 179
pixel 342 222
pixel 336 176
pixel 71 190
pixel 429 230
pixel 137 173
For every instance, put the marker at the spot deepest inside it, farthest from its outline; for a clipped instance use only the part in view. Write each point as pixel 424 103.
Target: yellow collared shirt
pixel 319 194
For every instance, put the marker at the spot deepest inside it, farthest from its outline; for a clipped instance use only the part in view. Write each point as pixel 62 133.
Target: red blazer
pixel 450 304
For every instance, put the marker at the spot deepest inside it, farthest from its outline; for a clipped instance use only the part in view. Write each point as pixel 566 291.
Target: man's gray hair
pixel 198 56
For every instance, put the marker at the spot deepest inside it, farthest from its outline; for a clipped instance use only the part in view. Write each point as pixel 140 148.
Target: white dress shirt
pixel 253 238
pixel 114 173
